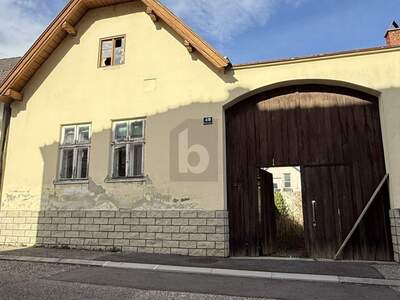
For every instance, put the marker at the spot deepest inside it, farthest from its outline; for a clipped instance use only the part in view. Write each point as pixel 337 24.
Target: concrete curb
pixel 207 271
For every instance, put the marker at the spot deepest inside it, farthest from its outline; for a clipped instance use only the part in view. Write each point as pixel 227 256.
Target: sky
pixel 243 30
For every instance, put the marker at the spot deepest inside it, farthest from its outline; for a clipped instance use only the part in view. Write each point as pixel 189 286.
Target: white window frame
pixel 128 142
pixel 76 146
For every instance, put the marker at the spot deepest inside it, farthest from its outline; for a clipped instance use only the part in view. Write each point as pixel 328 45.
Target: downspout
pixel 5 124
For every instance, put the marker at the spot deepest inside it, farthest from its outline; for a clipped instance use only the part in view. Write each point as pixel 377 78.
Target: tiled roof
pixel 6 65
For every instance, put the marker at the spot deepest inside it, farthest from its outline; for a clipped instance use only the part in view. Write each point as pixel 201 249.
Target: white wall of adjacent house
pixel 286 179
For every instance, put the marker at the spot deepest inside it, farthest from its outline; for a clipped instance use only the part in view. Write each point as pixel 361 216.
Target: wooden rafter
pixel 5 99
pixel 68 28
pixel 151 14
pixel 188 46
pixel 187 34
pixel 14 95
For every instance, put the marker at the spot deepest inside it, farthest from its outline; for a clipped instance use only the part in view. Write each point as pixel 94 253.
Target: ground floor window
pixel 128 148
pixel 74 152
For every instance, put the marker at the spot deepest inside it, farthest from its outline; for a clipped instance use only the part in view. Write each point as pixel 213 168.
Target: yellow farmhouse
pixel 122 129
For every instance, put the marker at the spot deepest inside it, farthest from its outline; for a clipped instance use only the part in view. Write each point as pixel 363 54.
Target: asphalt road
pixel 20 280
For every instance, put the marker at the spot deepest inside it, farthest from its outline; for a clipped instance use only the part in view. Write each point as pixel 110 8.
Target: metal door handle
pixel 314 217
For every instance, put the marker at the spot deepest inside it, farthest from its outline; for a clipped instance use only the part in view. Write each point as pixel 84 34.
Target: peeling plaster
pixel 94 196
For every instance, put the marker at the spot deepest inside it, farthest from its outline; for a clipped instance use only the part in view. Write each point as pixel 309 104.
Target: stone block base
pixel 395 230
pixel 184 232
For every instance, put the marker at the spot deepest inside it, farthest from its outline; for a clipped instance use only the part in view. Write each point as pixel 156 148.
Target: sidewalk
pixel 386 274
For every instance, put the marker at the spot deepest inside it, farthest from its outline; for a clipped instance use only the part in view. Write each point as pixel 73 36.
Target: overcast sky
pixel 244 30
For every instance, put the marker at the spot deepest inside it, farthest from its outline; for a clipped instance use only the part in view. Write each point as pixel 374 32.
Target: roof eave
pixel 209 53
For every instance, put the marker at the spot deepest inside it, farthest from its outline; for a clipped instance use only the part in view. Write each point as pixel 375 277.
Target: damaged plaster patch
pixel 153 199
pixel 81 196
pixel 20 199
pixel 113 196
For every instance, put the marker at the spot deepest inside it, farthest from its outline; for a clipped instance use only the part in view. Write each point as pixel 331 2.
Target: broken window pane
pixel 119 51
pixel 119 163
pixel 136 129
pixel 83 134
pixel 82 163
pixel 67 163
pixel 121 131
pixel 106 52
pixel 69 135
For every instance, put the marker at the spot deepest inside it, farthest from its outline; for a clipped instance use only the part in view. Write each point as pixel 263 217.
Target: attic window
pixel 112 51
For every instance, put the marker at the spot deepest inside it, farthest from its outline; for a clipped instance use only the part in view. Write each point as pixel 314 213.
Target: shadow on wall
pixel 157 190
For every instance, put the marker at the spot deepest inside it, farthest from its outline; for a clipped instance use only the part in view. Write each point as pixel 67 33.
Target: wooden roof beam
pixel 188 46
pixel 152 14
pixel 5 99
pixel 14 95
pixel 68 28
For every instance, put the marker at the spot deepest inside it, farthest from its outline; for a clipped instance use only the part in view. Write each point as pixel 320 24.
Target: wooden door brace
pixel 371 200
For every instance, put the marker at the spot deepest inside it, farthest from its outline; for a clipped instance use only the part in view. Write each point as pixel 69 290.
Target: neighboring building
pixel 6 65
pixel 286 179
pixel 128 131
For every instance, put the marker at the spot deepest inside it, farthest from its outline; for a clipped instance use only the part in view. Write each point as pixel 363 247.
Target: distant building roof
pixel 6 65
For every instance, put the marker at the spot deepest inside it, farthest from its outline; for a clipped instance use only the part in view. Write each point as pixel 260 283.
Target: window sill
pixel 121 180
pixel 67 182
pixel 113 67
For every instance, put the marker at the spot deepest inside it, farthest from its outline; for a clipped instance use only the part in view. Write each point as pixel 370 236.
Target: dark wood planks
pixel 310 125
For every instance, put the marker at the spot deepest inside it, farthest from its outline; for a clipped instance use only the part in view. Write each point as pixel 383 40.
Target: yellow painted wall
pixel 163 82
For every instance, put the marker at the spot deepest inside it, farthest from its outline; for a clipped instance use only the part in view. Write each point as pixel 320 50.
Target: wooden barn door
pixel 334 134
pixel 325 196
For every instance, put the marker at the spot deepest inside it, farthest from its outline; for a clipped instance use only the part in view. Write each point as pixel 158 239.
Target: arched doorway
pixel 333 135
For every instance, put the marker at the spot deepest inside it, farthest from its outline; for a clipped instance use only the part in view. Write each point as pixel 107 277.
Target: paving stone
pixel 115 235
pixel 100 221
pixel 125 228
pixel 154 229
pixel 197 252
pixel 180 221
pixel 147 221
pixel 163 221
pixel 179 251
pixel 188 214
pixel 170 244
pixel 116 221
pixel 138 228
pixel 188 229
pixel 107 227
pixel 107 214
pixel 139 214
pixel 198 222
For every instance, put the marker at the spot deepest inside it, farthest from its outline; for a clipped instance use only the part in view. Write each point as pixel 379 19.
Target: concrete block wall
pixel 184 232
pixel 395 230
